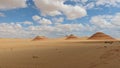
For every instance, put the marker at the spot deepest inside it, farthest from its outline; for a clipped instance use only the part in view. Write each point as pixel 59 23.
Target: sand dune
pixel 100 36
pixel 37 38
pixel 24 53
pixel 70 37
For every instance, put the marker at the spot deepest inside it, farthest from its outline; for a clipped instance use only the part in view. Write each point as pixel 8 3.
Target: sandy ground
pixel 58 53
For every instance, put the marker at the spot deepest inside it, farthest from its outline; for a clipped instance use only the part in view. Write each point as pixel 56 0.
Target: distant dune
pixel 40 38
pixel 71 36
pixel 98 51
pixel 100 36
pixel 58 53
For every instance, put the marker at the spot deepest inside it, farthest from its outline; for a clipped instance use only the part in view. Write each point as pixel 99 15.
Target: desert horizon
pixel 59 33
pixel 58 53
pixel 65 52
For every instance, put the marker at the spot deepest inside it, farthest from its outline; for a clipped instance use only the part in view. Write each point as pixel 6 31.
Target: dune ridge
pixel 40 38
pixel 100 36
pixel 71 36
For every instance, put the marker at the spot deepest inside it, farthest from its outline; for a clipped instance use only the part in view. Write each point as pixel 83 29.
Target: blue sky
pixel 57 18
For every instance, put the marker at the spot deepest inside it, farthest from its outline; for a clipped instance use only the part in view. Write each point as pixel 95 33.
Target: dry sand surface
pixel 59 53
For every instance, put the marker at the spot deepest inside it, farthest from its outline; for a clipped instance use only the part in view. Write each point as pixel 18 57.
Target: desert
pixel 59 33
pixel 59 53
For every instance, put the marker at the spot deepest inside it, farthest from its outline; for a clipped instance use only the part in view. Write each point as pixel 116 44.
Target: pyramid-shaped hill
pixel 100 36
pixel 71 36
pixel 37 38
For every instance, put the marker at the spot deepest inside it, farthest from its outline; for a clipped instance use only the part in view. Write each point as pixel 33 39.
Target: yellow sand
pixel 58 53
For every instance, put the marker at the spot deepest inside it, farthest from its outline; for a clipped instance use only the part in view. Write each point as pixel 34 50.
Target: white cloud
pixel 48 7
pixel 27 23
pixel 9 27
pixel 36 17
pixel 101 22
pixel 90 4
pixel 2 14
pixel 53 13
pixel 58 20
pixel 9 30
pixel 42 21
pixel 45 21
pixel 107 3
pixel 83 1
pixel 116 19
pixel 70 27
pixel 14 30
pixel 17 30
pixel 73 12
pixel 57 7
pixel 55 31
pixel 107 21
pixel 12 4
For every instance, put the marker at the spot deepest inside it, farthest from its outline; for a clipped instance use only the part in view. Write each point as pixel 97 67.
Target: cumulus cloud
pixel 58 20
pixel 107 23
pixel 57 7
pixel 116 19
pixel 48 7
pixel 90 4
pixel 36 17
pixel 2 14
pixel 45 21
pixel 16 30
pixel 12 4
pixel 42 21
pixel 45 26
pixel 27 23
pixel 9 27
pixel 55 31
pixel 107 3
pixel 9 30
pixel 101 22
pixel 73 12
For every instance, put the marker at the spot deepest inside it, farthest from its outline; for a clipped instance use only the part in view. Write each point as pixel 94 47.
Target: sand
pixel 59 53
pixel 100 36
pixel 40 38
pixel 71 36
